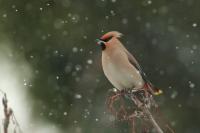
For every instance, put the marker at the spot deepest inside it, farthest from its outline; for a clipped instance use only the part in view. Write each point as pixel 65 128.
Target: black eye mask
pixel 107 39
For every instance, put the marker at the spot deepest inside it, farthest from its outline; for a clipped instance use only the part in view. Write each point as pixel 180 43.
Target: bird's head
pixel 107 38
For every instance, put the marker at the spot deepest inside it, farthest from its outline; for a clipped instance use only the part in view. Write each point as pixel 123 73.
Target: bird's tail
pixel 152 89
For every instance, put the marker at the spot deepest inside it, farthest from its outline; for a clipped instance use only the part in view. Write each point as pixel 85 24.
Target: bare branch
pixel 152 120
pixel 133 126
pixel 142 103
pixel 8 114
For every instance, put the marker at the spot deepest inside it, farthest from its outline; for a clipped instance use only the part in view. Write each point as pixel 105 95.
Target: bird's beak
pixel 99 42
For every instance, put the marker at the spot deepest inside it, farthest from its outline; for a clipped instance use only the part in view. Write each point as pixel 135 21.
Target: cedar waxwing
pixel 120 67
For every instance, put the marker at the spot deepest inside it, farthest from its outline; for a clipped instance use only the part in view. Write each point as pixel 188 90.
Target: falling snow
pixel 112 13
pixel 57 77
pixel 65 113
pixel 113 1
pixel 89 61
pixel 4 15
pixel 74 49
pixel 174 94
pixel 194 25
pixel 149 2
pixel 78 67
pixel 124 21
pixel 67 84
pixel 78 96
pixel 191 84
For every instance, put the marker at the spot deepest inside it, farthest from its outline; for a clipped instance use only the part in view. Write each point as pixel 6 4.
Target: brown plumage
pixel 120 67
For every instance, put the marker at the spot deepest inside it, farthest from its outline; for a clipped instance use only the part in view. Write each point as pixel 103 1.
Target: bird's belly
pixel 123 78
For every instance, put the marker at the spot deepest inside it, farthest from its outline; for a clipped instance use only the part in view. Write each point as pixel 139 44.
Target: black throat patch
pixel 103 46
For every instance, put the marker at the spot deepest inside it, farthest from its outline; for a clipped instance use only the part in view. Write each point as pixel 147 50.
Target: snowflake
pixel 149 2
pixel 78 67
pixel 124 21
pixel 191 85
pixel 174 94
pixel 89 61
pixel 74 49
pixel 65 113
pixel 4 15
pixel 194 25
pixel 113 1
pixel 112 13
pixel 78 96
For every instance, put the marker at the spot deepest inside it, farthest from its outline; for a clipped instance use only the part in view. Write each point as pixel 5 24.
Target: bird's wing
pixel 134 62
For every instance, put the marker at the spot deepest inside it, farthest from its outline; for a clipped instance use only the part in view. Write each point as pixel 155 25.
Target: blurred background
pixel 50 66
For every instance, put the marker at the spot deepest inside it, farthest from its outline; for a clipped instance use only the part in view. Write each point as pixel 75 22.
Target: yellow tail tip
pixel 159 92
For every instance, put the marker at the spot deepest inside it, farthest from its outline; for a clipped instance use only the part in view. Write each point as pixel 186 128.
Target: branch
pixel 143 101
pixel 152 120
pixel 144 104
pixel 133 126
pixel 8 114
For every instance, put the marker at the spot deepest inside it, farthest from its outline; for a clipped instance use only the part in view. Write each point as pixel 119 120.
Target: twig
pixel 8 114
pixel 143 101
pixel 133 126
pixel 17 123
pixel 144 104
pixel 152 120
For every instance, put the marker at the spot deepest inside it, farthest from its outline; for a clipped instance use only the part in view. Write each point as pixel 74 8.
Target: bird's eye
pixel 107 39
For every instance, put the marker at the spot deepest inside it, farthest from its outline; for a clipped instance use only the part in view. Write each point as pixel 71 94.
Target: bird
pixel 120 67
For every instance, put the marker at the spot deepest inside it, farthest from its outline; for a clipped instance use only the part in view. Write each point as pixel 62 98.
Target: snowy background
pixel 50 66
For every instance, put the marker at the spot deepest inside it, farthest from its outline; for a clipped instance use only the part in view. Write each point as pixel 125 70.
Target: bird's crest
pixel 111 34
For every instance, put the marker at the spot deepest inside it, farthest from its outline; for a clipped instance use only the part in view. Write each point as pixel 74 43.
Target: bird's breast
pixel 120 72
